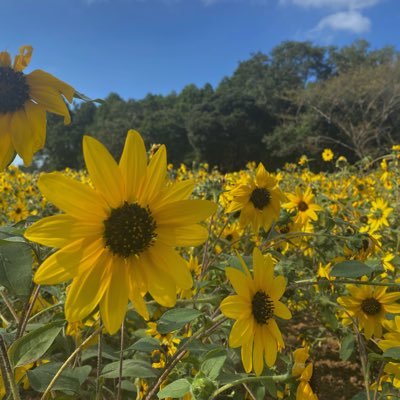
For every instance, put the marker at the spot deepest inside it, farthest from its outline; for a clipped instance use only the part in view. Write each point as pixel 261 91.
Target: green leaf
pixel 130 368
pixel 175 389
pixel 146 345
pixel 347 347
pixel 351 269
pixel 34 344
pixel 16 267
pixel 213 363
pixel 87 99
pixel 175 319
pixel 393 353
pixel 69 381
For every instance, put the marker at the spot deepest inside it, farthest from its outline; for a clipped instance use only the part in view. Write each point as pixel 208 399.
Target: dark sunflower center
pixel 18 210
pixel 302 206
pixel 229 237
pixel 129 230
pixel 14 90
pixel 262 307
pixel 371 306
pixel 260 197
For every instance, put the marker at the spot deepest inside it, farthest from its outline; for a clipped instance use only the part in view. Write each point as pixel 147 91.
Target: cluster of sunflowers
pixel 123 282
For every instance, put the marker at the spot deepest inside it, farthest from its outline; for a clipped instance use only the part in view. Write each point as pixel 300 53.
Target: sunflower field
pixel 137 279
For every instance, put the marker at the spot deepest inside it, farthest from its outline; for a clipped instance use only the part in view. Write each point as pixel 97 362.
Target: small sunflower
pixel 258 200
pixel 327 155
pixel 24 100
pixel 369 305
pixel 303 204
pixel 117 241
pixel 254 307
pixel 378 214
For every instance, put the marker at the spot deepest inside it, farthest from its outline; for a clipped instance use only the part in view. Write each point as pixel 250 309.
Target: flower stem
pixel 249 379
pixel 121 360
pixel 6 366
pixel 68 361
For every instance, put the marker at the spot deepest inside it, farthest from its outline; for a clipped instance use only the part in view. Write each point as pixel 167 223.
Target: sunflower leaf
pixel 393 353
pixel 34 344
pixel 175 319
pixel 351 269
pixel 175 389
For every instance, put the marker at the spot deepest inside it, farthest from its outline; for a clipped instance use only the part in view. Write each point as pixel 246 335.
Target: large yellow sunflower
pixel 254 307
pixel 370 306
pixel 258 200
pixel 117 241
pixel 24 100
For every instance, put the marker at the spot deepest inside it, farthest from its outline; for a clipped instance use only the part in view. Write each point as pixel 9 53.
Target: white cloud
pixel 351 21
pixel 340 4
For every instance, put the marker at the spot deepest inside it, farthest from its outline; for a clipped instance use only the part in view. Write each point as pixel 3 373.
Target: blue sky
pixel 134 47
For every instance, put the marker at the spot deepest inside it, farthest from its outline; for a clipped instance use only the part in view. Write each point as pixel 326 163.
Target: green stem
pixel 249 379
pixel 121 360
pixel 345 281
pixel 5 361
pixel 68 361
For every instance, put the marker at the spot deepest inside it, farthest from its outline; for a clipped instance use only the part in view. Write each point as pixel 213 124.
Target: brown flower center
pixel 14 90
pixel 260 197
pixel 129 230
pixel 302 206
pixel 262 307
pixel 371 306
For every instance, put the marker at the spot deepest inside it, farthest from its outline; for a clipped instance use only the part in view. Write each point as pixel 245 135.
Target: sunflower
pixel 303 372
pixel 378 214
pixel 258 200
pixel 369 305
pixel 303 204
pixel 117 241
pixel 24 100
pixel 327 155
pixel 254 307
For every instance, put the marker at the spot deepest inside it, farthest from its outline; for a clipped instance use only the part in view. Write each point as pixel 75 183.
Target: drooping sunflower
pixel 254 308
pixel 117 241
pixel 369 305
pixel 303 372
pixel 258 200
pixel 303 204
pixel 24 100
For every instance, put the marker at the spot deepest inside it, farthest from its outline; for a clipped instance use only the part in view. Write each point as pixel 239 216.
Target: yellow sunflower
pixel 369 305
pixel 258 200
pixel 327 155
pixel 117 241
pixel 24 100
pixel 254 307
pixel 378 214
pixel 303 204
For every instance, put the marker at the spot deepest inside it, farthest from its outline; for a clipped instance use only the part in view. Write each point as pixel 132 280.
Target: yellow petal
pixel 6 148
pixel 276 333
pixel 235 307
pixel 247 355
pixel 135 294
pixel 36 116
pixel 60 230
pixel 184 212
pixel 87 289
pixel 270 348
pixel 177 191
pixel 42 78
pixel 73 197
pixel 258 353
pixel 278 287
pixel 133 164
pixel 281 311
pixel 72 260
pixel 21 136
pixel 104 172
pixel 115 299
pixel 239 281
pixel 22 60
pixel 5 59
pixel 190 235
pixel 155 177
pixel 242 330
pixel 171 264
pixel 263 271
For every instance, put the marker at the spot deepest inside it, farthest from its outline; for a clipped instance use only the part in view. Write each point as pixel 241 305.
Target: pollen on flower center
pixel 260 197
pixel 302 206
pixel 371 306
pixel 129 230
pixel 14 90
pixel 262 307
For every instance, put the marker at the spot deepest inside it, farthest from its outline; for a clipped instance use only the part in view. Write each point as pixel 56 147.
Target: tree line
pixel 298 99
